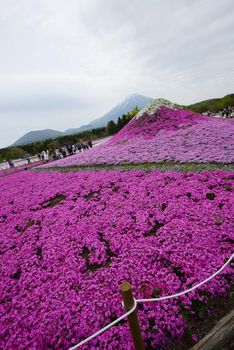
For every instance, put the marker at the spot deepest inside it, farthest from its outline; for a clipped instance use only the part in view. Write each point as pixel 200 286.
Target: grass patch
pixel 54 201
pixel 161 166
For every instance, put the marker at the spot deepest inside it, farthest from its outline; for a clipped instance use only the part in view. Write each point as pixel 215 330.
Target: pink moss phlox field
pixel 169 135
pixel 147 126
pixel 67 241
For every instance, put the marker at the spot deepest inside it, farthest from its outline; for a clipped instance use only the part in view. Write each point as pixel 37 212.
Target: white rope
pixel 106 327
pixel 148 300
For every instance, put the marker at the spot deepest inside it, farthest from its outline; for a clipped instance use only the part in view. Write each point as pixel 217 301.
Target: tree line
pixel 112 127
pixel 60 141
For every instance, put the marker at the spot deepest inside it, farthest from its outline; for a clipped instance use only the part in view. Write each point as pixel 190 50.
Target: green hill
pixel 213 105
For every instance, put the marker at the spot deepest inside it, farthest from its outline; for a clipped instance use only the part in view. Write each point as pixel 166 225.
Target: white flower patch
pixel 152 107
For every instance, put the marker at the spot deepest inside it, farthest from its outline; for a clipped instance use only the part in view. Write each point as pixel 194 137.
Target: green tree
pixel 119 124
pixel 111 128
pixel 124 119
pixel 14 153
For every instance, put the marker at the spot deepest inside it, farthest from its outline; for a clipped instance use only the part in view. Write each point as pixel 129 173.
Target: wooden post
pixel 128 300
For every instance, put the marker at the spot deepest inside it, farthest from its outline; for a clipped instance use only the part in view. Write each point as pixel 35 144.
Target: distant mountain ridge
pixel 37 135
pixel 123 107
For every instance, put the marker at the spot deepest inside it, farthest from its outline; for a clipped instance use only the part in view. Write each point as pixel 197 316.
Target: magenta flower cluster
pixel 67 241
pixel 169 135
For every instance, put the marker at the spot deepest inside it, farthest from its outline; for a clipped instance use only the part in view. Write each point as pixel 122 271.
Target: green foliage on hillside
pixel 14 153
pixel 213 105
pixel 112 127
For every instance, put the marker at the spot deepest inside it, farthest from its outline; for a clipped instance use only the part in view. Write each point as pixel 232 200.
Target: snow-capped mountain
pixel 123 107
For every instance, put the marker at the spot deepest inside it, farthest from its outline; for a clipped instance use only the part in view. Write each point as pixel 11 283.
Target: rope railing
pixel 137 301
pixel 105 328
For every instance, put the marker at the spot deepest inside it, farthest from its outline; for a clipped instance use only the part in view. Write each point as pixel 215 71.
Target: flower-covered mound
pixel 67 241
pixel 169 135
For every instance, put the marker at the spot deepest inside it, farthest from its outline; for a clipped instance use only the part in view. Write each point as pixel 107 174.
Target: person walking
pixel 11 164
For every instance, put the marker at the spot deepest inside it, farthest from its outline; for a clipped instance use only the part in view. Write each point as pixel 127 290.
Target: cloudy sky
pixel 66 62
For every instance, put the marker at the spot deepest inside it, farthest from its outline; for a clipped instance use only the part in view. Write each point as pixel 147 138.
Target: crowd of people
pixel 62 152
pixel 227 112
pixel 46 155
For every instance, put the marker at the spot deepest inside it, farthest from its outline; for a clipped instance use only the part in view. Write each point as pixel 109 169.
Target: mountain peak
pixel 137 97
pixel 125 106
pixel 134 94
